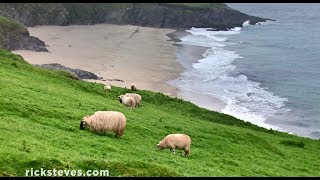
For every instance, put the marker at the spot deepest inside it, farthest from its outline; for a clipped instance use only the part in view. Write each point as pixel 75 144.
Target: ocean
pixel 267 74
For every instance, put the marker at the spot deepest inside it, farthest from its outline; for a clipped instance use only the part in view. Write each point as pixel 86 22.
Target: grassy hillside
pixel 40 113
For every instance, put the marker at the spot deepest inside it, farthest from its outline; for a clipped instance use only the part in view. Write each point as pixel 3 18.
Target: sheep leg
pixel 186 153
pixel 120 133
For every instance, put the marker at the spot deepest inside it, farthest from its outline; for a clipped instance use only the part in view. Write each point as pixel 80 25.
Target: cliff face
pixel 14 36
pixel 162 15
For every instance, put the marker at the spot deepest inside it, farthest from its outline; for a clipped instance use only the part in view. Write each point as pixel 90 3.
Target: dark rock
pixel 115 80
pixel 14 36
pixel 34 44
pixel 26 43
pixel 82 74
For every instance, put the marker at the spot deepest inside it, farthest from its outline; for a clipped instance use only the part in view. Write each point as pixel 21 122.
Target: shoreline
pixel 187 55
pixel 127 54
pixel 135 55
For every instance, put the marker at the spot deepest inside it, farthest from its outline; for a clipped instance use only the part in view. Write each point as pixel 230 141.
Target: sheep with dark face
pixel 104 121
pixel 133 87
pixel 127 101
pixel 176 141
pixel 136 97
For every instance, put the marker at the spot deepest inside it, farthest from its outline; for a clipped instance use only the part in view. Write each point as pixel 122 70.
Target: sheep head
pixel 158 146
pixel 120 98
pixel 84 122
pixel 133 87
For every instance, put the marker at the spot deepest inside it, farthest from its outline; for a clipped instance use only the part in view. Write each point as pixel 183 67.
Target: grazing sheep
pixel 103 121
pixel 133 87
pixel 136 97
pixel 107 87
pixel 176 141
pixel 127 101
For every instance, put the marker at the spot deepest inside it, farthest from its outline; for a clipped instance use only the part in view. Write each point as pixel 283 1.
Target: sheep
pixel 176 141
pixel 136 97
pixel 133 87
pixel 127 101
pixel 104 121
pixel 107 87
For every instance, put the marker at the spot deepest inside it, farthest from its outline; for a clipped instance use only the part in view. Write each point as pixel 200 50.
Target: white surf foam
pixel 215 75
pixel 246 23
pixel 266 22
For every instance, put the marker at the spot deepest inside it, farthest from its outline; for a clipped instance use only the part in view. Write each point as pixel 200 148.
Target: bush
pixel 67 74
pixel 293 143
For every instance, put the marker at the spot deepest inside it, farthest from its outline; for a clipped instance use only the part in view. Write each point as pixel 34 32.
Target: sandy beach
pixel 139 55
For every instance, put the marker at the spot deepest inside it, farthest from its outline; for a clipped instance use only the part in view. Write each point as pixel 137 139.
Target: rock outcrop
pixel 14 36
pixel 82 74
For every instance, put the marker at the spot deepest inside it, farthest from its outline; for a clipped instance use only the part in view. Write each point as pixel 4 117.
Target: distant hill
pixel 161 15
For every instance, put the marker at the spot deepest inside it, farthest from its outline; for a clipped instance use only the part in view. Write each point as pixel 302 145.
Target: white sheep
pixel 107 87
pixel 104 121
pixel 133 87
pixel 127 101
pixel 136 97
pixel 176 141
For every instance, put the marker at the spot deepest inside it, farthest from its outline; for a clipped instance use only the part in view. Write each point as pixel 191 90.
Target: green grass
pixel 40 113
pixel 9 22
pixel 293 143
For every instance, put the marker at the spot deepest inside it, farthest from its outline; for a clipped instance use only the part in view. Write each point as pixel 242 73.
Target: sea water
pixel 267 74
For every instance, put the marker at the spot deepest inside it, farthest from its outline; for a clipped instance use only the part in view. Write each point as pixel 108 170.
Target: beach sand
pixel 140 55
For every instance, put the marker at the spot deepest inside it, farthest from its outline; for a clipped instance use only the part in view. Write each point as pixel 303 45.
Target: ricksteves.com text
pixel 75 173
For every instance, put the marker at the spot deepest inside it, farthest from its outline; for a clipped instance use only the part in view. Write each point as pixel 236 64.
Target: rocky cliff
pixel 162 15
pixel 14 36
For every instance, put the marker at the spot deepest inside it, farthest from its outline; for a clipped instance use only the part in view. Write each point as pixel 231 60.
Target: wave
pixel 246 23
pixel 265 22
pixel 215 75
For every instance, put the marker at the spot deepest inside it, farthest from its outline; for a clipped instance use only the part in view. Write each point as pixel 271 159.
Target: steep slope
pixel 40 112
pixel 163 15
pixel 14 35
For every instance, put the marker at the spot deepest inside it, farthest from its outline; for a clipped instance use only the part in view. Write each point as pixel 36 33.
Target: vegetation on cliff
pixel 10 31
pixel 14 35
